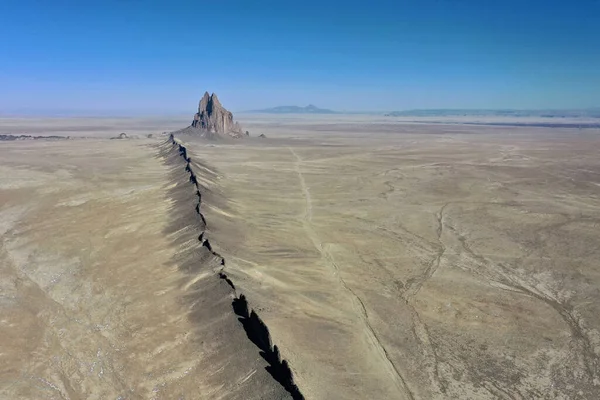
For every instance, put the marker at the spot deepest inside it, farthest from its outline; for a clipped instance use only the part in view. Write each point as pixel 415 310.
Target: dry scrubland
pixel 389 260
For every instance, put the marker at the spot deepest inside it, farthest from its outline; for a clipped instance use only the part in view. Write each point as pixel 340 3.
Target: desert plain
pixel 388 258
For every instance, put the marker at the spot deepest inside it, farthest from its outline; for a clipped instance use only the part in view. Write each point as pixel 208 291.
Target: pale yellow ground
pixel 433 263
pixel 94 303
pixel 389 261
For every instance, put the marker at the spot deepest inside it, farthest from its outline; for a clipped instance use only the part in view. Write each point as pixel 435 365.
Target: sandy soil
pixel 430 262
pixel 388 260
pixel 104 292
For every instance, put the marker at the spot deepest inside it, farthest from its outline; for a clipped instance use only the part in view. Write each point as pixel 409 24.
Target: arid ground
pixel 385 258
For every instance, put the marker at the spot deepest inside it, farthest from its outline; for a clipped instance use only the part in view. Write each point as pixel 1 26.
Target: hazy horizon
pixel 130 57
pixel 158 113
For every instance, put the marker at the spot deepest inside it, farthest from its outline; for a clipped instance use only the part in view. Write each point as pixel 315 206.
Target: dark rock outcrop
pixel 255 328
pixel 122 135
pixel 10 137
pixel 214 120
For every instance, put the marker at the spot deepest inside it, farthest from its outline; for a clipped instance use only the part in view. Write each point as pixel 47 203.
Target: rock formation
pixel 214 120
pixel 9 137
pixel 122 135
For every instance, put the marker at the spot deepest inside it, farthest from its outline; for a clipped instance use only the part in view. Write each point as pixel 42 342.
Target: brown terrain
pixel 338 258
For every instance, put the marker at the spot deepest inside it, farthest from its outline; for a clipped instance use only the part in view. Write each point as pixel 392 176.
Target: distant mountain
pixel 309 109
pixel 585 113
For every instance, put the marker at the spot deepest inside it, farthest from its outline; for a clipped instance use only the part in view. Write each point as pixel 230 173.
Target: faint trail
pixel 578 335
pixel 306 192
pixel 357 302
pixel 412 289
pixel 516 283
pixel 433 266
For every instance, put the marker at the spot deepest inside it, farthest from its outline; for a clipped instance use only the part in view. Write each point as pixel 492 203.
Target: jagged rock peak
pixel 214 119
pixel 215 99
pixel 204 102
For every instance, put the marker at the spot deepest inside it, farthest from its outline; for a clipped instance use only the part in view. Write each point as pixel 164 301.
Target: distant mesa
pixel 213 120
pixel 309 109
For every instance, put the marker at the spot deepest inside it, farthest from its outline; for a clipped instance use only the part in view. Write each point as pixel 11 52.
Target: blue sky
pixel 149 56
